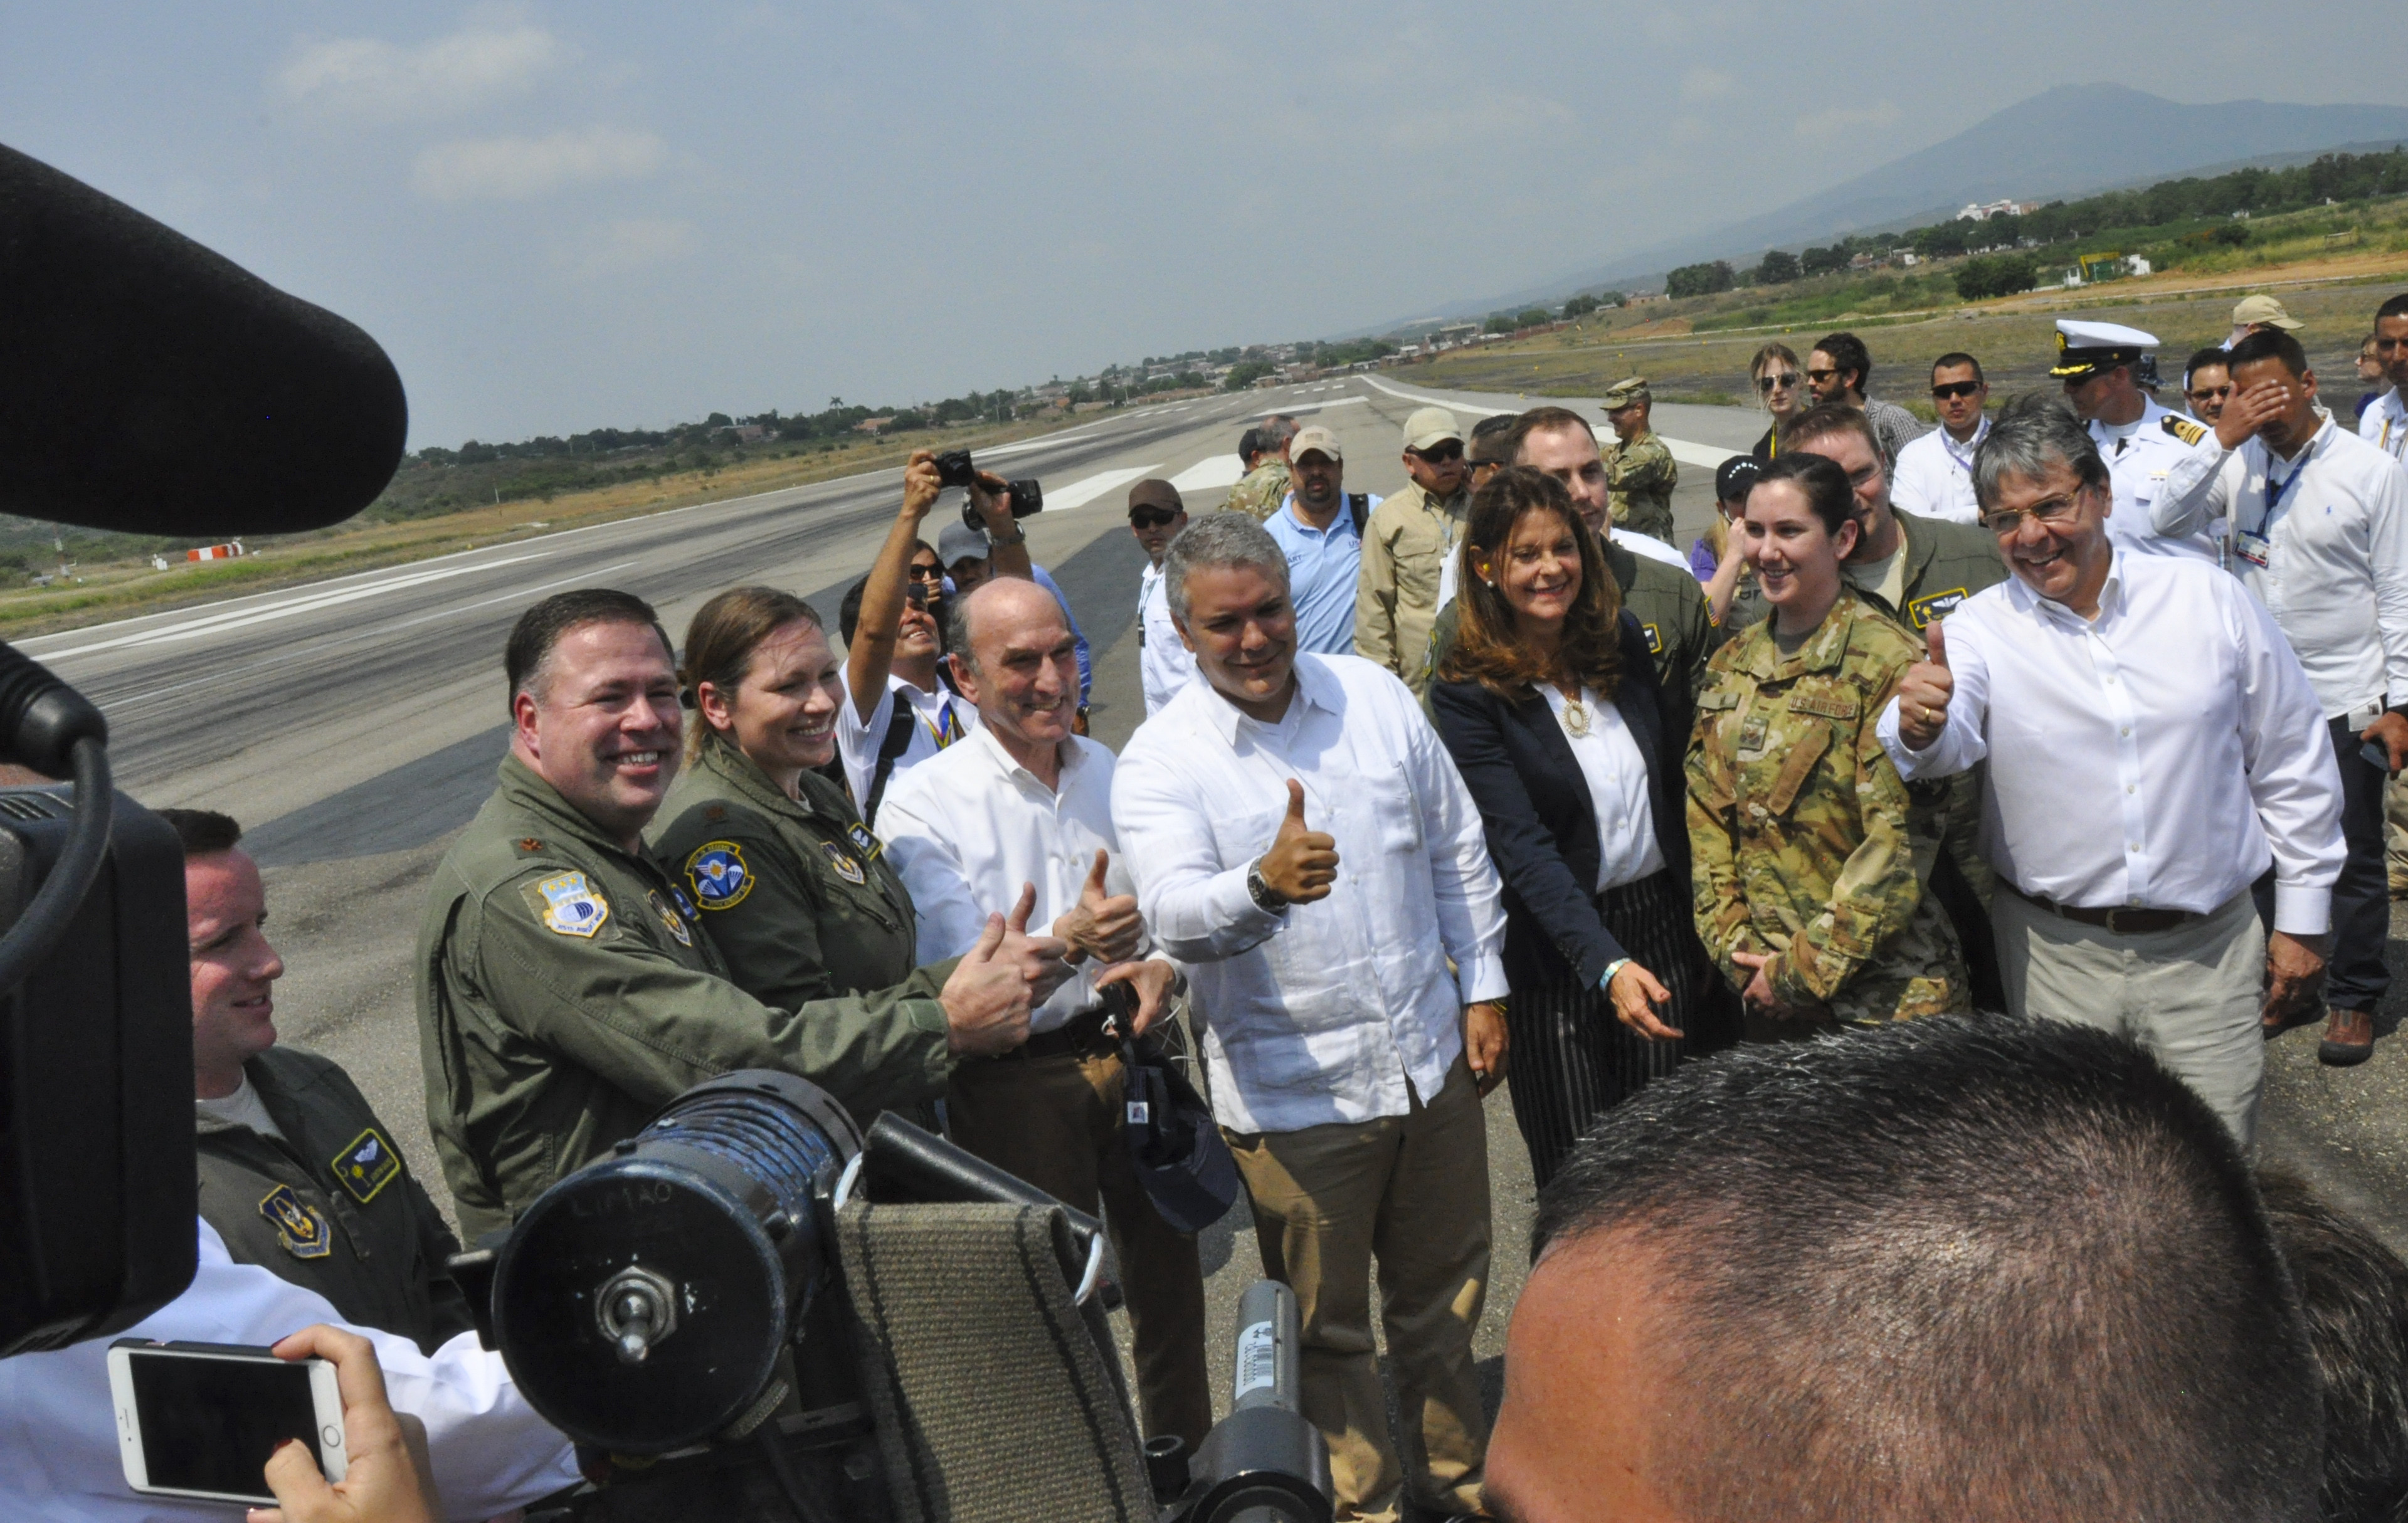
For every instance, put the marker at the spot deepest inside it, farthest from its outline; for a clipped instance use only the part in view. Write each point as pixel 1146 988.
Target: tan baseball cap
pixel 1315 436
pixel 1623 393
pixel 1430 426
pixel 2251 311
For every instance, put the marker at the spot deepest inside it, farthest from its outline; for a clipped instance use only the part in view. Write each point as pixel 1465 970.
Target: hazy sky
pixel 557 217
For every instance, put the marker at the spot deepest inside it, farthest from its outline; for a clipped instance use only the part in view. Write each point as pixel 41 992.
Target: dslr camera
pixel 953 469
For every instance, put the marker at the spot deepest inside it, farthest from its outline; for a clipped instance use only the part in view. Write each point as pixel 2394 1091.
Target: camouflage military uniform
pixel 1261 491
pixel 1803 841
pixel 1642 474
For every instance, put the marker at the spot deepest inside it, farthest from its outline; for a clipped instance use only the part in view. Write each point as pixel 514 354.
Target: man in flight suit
pixel 566 989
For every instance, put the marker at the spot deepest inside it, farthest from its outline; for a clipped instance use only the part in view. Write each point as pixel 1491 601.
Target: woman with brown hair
pixel 1549 704
pixel 1779 382
pixel 794 890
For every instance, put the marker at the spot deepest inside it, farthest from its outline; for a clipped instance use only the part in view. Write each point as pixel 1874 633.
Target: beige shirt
pixel 1405 548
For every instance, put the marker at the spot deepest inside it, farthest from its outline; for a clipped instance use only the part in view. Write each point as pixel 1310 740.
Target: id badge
pixel 2253 548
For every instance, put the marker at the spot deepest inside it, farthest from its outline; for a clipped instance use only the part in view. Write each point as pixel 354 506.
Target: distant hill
pixel 2073 140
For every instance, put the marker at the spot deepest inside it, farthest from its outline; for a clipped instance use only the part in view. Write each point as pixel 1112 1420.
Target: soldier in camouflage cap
pixel 1809 860
pixel 1639 468
pixel 1259 494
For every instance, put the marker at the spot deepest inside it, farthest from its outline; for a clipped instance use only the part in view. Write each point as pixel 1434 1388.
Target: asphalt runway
pixel 354 727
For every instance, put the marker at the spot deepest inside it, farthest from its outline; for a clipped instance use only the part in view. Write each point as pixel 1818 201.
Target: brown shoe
pixel 2349 1039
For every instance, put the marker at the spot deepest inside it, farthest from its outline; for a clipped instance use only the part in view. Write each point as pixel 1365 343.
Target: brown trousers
pixel 1411 1192
pixel 1056 1122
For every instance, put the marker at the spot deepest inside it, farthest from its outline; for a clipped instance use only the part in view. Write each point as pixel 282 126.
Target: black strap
pixel 1359 505
pixel 897 741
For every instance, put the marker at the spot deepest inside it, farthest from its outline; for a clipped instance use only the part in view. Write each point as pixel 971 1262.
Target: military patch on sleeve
pixel 568 905
pixel 863 842
pixel 1932 606
pixel 299 1225
pixel 1654 639
pixel 718 875
pixel 685 905
pixel 366 1165
pixel 846 868
pixel 670 920
pixel 2184 429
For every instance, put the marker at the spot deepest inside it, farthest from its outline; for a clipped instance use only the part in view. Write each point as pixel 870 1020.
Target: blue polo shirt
pixel 1322 566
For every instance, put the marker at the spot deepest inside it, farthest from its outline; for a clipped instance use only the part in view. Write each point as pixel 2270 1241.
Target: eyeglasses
pixel 1442 455
pixel 1956 389
pixel 1150 518
pixel 2009 521
pixel 1782 381
pixel 1820 375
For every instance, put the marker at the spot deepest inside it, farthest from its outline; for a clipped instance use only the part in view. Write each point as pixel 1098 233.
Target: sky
pixel 562 217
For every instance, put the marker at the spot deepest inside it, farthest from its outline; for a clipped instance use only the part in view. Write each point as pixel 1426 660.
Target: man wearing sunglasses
pixel 1935 473
pixel 1406 542
pixel 2207 386
pixel 1839 369
pixel 1155 515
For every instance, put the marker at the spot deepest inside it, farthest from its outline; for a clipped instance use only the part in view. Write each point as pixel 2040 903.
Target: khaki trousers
pixel 2395 834
pixel 1411 1192
pixel 2190 995
pixel 1056 1122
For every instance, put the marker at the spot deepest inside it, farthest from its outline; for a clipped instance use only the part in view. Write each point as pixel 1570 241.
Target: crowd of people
pixel 1984 796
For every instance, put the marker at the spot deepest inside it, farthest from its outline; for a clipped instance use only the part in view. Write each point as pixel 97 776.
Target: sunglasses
pixel 1820 375
pixel 1441 454
pixel 1956 389
pixel 2209 394
pixel 1782 381
pixel 926 573
pixel 1150 518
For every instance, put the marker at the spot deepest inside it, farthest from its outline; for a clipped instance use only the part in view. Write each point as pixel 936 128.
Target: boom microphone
pixel 156 387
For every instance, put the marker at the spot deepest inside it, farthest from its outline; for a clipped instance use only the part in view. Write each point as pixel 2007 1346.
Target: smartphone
pixel 2375 754
pixel 199 1420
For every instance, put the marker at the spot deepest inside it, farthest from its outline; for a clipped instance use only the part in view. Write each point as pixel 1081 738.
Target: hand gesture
pixel 921 486
pixel 1485 1044
pixel 1105 926
pixel 1150 981
pixel 991 495
pixel 386 1479
pixel 1637 997
pixel 1302 863
pixel 2246 413
pixel 2391 732
pixel 1923 693
pixel 986 997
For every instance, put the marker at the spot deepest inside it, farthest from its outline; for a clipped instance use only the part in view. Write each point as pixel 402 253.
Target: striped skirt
pixel 1572 1059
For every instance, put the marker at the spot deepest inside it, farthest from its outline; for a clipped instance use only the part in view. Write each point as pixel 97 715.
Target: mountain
pixel 2073 140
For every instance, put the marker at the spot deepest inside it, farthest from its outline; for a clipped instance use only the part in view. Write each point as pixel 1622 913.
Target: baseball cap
pixel 1623 393
pixel 1315 436
pixel 1154 492
pixel 1733 477
pixel 2255 309
pixel 960 542
pixel 1430 426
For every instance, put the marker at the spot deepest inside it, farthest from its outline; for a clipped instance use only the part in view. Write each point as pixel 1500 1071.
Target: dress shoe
pixel 2349 1039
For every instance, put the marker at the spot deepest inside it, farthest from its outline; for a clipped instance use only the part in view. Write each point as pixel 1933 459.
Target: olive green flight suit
pixel 331 1206
pixel 567 990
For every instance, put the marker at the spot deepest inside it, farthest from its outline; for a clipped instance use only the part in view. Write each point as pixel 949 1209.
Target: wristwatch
pixel 1266 898
pixel 1019 537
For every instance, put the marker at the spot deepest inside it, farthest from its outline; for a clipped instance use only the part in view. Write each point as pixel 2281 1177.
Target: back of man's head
pixel 541 629
pixel 1849 356
pixel 1276 431
pixel 2356 1294
pixel 203 832
pixel 1493 440
pixel 1250 447
pixel 1545 420
pixel 1824 419
pixel 1967 1268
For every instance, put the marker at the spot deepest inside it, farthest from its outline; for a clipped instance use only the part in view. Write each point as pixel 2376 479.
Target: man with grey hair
pixel 1265 483
pixel 2154 746
pixel 1024 801
pixel 1302 841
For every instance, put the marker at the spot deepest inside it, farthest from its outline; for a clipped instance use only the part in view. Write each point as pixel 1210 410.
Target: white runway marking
pixel 1080 493
pixel 1212 471
pixel 243 618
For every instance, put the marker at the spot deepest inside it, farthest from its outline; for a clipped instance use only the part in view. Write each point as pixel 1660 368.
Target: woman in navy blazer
pixel 1549 704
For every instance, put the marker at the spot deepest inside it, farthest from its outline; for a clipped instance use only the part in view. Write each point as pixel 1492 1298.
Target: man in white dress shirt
pixel 1302 841
pixel 1025 804
pixel 2385 422
pixel 1934 478
pixel 1156 515
pixel 2318 520
pixel 2154 745
pixel 897 710
pixel 2140 441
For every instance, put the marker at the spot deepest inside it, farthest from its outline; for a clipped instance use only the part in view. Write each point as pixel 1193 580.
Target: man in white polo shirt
pixel 2385 422
pixel 1934 478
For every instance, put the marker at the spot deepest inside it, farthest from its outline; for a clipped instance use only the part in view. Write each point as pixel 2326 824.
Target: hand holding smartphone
pixel 200 1420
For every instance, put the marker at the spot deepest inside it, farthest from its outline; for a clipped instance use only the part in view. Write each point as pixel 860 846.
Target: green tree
pixel 1579 307
pixel 1779 267
pixel 1533 317
pixel 1700 280
pixel 1996 275
pixel 1245 374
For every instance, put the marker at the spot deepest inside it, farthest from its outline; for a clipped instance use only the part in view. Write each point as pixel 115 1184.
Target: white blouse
pixel 1616 772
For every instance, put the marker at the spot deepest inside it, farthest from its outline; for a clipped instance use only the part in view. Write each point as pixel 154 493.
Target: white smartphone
pixel 199 1420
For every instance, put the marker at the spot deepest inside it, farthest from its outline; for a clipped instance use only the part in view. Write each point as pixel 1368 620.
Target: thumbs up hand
pixel 1302 862
pixel 1105 926
pixel 1924 692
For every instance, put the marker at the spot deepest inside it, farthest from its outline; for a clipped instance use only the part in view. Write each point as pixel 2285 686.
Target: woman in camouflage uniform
pixel 1807 858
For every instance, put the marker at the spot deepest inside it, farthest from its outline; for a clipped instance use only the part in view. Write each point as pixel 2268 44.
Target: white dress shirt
pixel 969 827
pixel 2158 756
pixel 2385 425
pixel 2322 540
pixel 58 1423
pixel 1319 1012
pixel 941 716
pixel 1616 773
pixel 1164 662
pixel 2140 456
pixel 1934 476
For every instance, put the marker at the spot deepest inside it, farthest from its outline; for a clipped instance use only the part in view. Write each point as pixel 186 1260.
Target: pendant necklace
pixel 1575 717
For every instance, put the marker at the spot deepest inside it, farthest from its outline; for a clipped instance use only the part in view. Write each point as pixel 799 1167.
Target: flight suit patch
pixel 863 842
pixel 298 1225
pixel 670 920
pixel 1932 606
pixel 366 1165
pixel 570 905
pixel 1654 639
pixel 718 872
pixel 846 868
pixel 685 905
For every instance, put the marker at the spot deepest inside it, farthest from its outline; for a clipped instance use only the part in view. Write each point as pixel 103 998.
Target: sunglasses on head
pixel 1956 388
pixel 1439 454
pixel 1151 518
pixel 1783 381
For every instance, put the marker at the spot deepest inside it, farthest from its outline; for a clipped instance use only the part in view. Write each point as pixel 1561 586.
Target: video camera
pixel 750 1310
pixel 953 469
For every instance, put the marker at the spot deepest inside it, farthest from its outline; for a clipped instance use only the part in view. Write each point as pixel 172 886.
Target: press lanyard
pixel 1948 447
pixel 2275 496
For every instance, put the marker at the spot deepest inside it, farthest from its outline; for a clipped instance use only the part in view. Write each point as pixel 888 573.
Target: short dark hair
pixel 1977 1267
pixel 1250 444
pixel 2213 355
pixel 1819 476
pixel 848 609
pixel 1545 420
pixel 1492 440
pixel 1824 419
pixel 2354 1292
pixel 1953 358
pixel 2396 306
pixel 202 832
pixel 2268 344
pixel 1848 353
pixel 541 629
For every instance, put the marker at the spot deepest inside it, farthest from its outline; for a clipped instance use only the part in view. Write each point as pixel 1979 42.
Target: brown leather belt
pixel 2122 921
pixel 1078 1036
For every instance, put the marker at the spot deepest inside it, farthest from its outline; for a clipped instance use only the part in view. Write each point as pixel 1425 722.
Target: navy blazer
pixel 1541 823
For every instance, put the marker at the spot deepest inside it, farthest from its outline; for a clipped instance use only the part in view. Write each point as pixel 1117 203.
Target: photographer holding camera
pixel 900 710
